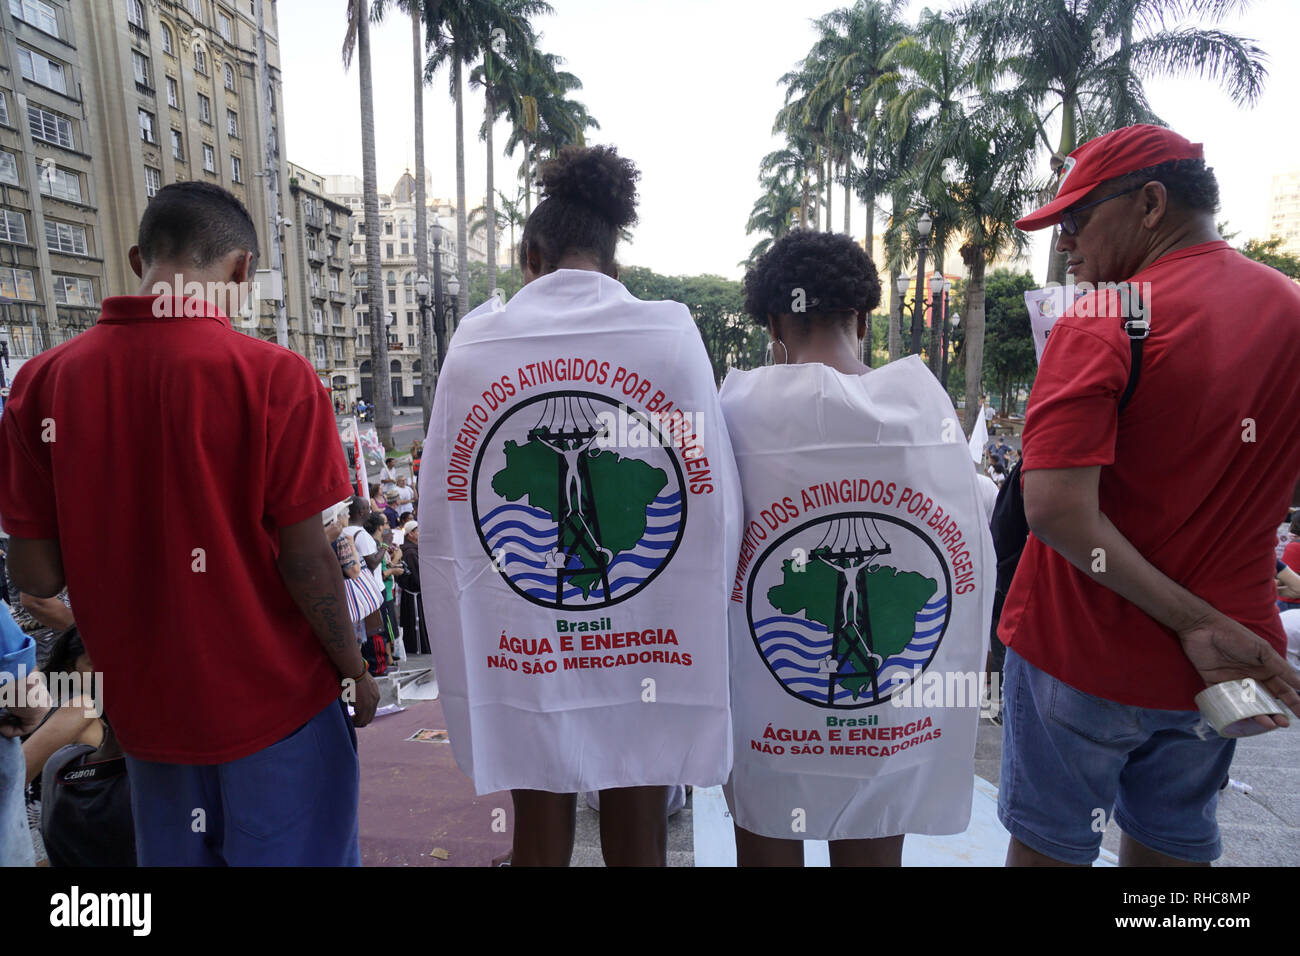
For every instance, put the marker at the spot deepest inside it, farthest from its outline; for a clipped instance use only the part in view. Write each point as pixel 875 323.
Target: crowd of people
pixel 766 555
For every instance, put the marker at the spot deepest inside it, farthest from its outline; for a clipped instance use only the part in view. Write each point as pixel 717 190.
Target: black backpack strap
pixel 1137 330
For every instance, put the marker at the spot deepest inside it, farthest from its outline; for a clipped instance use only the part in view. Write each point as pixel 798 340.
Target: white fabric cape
pixel 622 681
pixel 854 485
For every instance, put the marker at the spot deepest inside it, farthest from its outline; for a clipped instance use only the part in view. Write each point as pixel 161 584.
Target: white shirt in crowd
pixel 387 479
pixel 404 498
pixel 988 495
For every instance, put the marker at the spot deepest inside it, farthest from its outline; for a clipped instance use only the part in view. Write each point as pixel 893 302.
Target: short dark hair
pixel 1190 183
pixel 832 271
pixel 200 222
pixel 590 195
pixel 357 506
pixel 374 521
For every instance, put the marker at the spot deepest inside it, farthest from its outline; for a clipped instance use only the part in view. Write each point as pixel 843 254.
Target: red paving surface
pixel 414 800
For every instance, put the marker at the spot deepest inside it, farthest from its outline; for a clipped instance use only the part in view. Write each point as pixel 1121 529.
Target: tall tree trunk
pixel 871 227
pixel 462 234
pixel 895 315
pixel 379 374
pixel 528 181
pixel 1069 135
pixel 428 366
pixel 803 206
pixel 830 192
pixel 848 199
pixel 974 342
pixel 491 207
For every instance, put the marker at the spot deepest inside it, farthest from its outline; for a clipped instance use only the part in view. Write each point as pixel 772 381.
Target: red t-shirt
pixel 164 454
pixel 1195 472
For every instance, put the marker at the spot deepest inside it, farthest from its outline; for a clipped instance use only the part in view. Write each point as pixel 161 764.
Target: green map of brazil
pixel 893 599
pixel 616 492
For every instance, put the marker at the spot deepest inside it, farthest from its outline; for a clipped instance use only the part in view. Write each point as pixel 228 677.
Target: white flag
pixel 580 513
pixel 865 577
pixel 979 437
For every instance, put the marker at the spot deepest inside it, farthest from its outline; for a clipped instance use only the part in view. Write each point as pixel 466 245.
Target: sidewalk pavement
pixel 416 803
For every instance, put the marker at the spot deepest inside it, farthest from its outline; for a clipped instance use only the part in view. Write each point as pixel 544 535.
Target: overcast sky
pixel 688 90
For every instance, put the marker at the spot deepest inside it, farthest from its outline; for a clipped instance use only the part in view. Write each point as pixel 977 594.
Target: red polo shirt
pixel 164 453
pixel 1196 472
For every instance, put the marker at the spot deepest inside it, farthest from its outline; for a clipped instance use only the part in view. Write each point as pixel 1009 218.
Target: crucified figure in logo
pixel 573 495
pixel 849 606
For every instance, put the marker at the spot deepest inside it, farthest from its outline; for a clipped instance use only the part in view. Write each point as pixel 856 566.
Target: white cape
pixel 577 537
pixel 865 560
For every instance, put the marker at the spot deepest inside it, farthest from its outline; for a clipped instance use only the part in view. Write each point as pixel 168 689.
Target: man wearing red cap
pixel 1148 573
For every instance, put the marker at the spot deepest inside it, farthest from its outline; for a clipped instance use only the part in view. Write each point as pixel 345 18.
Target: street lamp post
pixel 903 283
pixel 936 287
pixel 426 371
pixel 943 354
pixel 923 226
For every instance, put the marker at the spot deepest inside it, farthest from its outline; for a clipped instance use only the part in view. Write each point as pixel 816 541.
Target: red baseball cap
pixel 1115 154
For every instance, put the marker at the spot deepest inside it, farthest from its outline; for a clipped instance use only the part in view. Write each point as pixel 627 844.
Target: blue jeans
pixel 293 803
pixel 16 847
pixel 1069 759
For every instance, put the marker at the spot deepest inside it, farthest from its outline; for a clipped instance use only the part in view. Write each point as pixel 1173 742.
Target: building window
pixel 410 318
pixel 49 127
pixel 146 127
pixel 17 284
pixel 236 169
pixel 4 108
pixel 334 281
pixel 196 11
pixel 173 93
pixel 410 296
pixel 230 77
pixel 38 14
pixel 225 27
pixel 338 349
pixel 388 253
pixel 410 339
pixel 167 40
pixel 73 290
pixel 392 297
pixel 406 248
pixel 60 183
pixel 152 181
pixel 41 70
pixel 8 167
pixel 388 227
pixel 200 60
pixel 140 63
pixel 205 109
pixel 135 13
pixel 13 227
pixel 66 237
pixel 317 319
pixel 338 316
pixel 232 123
pixel 320 352
pixel 178 147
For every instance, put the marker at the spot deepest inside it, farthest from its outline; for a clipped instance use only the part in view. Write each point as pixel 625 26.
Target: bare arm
pixel 36 565
pixel 1062 510
pixel 311 573
pixel 1288 585
pixel 49 611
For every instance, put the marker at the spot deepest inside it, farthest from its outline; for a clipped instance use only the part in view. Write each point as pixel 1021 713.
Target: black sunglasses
pixel 1070 225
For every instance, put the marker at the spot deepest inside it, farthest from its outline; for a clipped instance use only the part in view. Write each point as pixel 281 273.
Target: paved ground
pixel 417 809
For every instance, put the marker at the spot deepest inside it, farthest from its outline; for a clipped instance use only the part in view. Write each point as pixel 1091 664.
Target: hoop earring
pixel 785 353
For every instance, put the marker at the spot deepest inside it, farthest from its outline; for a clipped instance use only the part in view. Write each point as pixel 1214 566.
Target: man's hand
pixel 364 697
pixel 1222 650
pixel 28 717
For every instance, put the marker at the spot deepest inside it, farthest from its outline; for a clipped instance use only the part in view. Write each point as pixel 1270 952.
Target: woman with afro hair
pixel 846 575
pixel 554 531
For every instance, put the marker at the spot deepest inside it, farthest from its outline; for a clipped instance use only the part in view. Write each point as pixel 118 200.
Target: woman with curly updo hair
pixel 580 532
pixel 837 593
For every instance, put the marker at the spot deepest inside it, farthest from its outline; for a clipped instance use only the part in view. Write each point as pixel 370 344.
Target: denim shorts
pixel 1071 760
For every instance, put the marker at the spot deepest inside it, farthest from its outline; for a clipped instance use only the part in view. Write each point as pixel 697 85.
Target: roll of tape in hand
pixel 1231 707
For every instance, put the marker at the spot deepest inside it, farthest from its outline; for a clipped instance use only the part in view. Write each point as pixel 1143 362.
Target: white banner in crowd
pixel 580 514
pixel 865 580
pixel 979 437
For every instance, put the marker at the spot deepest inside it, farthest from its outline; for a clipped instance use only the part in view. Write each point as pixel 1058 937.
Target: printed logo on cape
pixel 568 522
pixel 848 608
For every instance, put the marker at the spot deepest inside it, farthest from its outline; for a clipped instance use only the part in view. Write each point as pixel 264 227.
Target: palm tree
pixel 358 38
pixel 773 215
pixel 1063 61
pixel 506 214
pixel 457 34
pixel 428 365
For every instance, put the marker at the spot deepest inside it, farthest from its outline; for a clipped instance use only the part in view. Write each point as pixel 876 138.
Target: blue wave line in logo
pixel 799 651
pixel 798 621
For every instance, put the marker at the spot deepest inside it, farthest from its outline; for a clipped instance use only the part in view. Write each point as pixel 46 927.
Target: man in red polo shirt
pixel 1149 570
pixel 173 472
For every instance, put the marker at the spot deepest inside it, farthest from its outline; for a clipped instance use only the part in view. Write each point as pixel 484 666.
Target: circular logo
pixel 578 500
pixel 847 609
